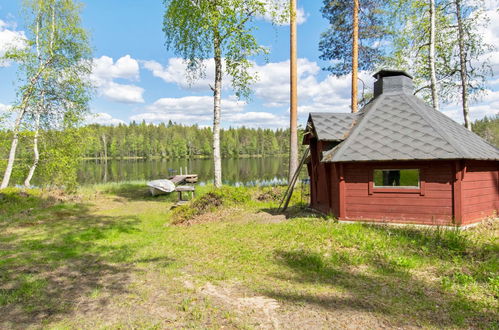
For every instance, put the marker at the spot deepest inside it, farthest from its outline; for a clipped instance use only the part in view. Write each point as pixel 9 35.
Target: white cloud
pixel 272 86
pixel 199 110
pixel 487 106
pixel 175 71
pixel 4 108
pixel 257 119
pixel 125 67
pixel 6 118
pixel 122 93
pixel 103 119
pixel 10 38
pixel 105 70
pixel 491 36
pixel 489 4
pixel 329 94
pixel 187 110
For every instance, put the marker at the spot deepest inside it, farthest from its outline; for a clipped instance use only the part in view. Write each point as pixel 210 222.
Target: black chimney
pixel 392 81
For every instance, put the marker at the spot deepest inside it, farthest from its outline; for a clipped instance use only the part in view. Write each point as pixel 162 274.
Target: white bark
pixel 27 182
pixel 30 90
pixel 463 69
pixel 434 85
pixel 17 125
pixel 217 93
pixel 104 143
pixel 13 149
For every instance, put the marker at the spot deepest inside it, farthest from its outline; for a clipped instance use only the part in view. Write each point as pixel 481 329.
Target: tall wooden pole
pixel 355 55
pixel 293 151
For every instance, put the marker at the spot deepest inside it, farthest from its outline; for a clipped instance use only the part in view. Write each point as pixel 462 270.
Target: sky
pixel 137 78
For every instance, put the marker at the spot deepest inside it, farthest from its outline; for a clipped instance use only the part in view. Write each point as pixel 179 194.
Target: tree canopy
pixel 336 42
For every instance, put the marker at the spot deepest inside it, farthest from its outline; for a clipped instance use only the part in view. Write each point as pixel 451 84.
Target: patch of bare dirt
pixel 218 215
pixel 334 310
pixel 258 307
pixel 235 214
pixel 265 217
pixel 61 196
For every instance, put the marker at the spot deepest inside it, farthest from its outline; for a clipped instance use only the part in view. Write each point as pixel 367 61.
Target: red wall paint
pixel 434 206
pixel 480 190
pixel 451 193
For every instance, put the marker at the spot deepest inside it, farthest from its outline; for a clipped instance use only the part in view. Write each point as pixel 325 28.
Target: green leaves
pixel 410 42
pixel 192 26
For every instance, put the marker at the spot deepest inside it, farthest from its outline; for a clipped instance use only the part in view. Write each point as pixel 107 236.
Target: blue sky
pixel 138 79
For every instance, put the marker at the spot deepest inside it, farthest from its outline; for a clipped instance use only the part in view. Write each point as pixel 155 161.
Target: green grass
pixel 114 259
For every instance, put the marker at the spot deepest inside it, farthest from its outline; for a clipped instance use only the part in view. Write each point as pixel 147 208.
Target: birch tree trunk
pixel 40 108
pixel 217 98
pixel 104 144
pixel 355 55
pixel 433 73
pixel 13 149
pixel 463 70
pixel 293 109
pixel 27 182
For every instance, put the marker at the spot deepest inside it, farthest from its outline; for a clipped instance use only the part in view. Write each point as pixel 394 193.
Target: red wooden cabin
pixel 400 161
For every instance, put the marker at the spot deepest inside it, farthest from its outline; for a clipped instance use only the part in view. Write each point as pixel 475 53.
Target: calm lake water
pixel 243 171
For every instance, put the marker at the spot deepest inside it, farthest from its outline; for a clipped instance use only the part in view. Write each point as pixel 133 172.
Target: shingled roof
pixel 332 126
pixel 396 125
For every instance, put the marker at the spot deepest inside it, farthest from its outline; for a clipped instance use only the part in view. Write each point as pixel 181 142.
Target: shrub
pixel 209 202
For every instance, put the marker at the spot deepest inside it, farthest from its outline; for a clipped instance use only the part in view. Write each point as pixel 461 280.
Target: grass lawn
pixel 112 258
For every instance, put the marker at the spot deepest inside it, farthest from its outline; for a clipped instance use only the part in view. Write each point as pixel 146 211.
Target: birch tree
pixel 470 49
pixel 441 44
pixel 53 90
pixel 431 56
pixel 422 45
pixel 221 30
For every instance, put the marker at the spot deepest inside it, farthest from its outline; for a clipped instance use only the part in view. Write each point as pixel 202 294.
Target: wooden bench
pixel 181 189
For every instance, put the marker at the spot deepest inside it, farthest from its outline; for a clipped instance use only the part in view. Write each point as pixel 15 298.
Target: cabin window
pixel 400 178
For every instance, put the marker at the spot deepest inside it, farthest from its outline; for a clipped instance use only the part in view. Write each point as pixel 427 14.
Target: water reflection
pixel 242 171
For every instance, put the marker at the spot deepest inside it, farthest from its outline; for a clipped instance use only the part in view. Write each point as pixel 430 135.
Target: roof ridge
pixel 436 127
pixel 332 113
pixel 356 129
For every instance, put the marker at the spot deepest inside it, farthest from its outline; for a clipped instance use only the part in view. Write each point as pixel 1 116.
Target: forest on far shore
pixel 171 140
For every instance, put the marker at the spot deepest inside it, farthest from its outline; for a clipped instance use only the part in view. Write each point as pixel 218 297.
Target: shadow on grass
pixel 58 255
pixel 381 286
pixel 480 258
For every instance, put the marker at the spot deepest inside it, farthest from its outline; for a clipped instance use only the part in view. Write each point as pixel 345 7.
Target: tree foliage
pixel 336 43
pixel 221 30
pixel 410 34
pixel 54 64
pixel 488 128
pixel 192 26
pixel 53 90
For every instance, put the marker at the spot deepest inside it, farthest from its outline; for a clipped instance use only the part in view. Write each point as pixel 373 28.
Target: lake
pixel 240 171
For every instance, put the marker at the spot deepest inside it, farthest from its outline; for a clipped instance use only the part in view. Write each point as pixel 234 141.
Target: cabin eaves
pixel 399 126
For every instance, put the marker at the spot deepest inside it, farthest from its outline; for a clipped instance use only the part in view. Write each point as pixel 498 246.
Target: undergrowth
pixel 209 202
